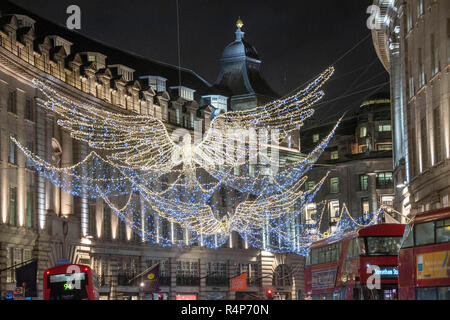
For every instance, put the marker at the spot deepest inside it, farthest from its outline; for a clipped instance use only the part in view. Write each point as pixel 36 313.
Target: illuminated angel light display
pixel 151 181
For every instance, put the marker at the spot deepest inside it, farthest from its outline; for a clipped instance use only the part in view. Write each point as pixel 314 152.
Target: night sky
pixel 295 39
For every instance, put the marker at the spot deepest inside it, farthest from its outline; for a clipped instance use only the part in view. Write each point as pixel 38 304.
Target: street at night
pixel 233 157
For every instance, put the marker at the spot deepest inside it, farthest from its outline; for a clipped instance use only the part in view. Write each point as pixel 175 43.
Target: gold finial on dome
pixel 239 23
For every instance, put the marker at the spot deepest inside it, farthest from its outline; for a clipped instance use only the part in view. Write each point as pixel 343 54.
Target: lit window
pixel 310 185
pixel 178 116
pixel 387 201
pixel 12 206
pixel 365 208
pixel 192 120
pixel 311 210
pixel 316 138
pixel 12 152
pixel 334 185
pixel 385 180
pixel 334 209
pixel 334 155
pixel 385 128
pixel 364 182
pixel 384 147
pixel 363 132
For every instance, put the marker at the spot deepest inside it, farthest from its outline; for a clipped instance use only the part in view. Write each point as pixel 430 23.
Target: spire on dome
pixel 239 23
pixel 239 33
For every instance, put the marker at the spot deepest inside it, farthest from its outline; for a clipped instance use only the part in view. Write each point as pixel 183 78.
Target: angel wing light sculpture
pixel 148 179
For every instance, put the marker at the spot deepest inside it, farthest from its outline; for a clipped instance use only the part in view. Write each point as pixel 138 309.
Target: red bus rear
pixel 424 259
pixel 70 282
pixel 339 269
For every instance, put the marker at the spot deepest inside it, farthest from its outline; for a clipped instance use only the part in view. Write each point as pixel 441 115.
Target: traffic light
pixel 269 294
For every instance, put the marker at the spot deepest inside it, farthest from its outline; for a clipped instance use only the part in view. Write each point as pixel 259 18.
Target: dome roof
pixel 240 48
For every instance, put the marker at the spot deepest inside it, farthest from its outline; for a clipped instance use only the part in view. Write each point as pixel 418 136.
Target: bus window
pixel 443 231
pixel 425 234
pixel 408 237
pixel 362 244
pixel 64 286
pixel 383 246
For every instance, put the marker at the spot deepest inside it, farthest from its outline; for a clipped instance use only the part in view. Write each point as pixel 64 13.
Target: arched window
pixel 282 276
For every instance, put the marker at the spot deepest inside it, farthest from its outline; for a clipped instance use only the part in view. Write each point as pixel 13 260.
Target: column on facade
pixel 373 203
pixel 41 252
pixel 232 272
pixel 203 274
pixel 114 273
pixel 84 205
pixel 267 263
pixel 173 278
pixel 4 135
pixel 43 188
pixel 297 267
pixel 3 265
pixel 21 135
pixel 49 189
pixel 66 160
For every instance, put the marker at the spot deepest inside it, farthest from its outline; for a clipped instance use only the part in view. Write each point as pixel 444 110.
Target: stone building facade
pixel 360 160
pixel 40 221
pixel 412 39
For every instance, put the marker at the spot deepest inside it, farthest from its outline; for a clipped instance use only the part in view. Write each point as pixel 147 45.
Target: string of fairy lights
pixel 201 193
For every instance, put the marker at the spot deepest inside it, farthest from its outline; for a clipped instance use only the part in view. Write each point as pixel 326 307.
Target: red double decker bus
pixel 70 282
pixel 424 259
pixel 339 269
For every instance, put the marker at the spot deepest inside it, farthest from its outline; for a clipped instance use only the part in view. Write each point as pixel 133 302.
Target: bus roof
pixel 378 230
pixel 385 229
pixel 63 269
pixel 432 215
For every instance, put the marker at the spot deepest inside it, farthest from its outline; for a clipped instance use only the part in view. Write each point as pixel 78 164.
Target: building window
pixel 409 21
pixel 29 111
pixel 387 201
pixel 365 208
pixel 334 209
pixel 364 182
pixel 30 208
pixel 192 120
pixel 106 223
pixel 385 180
pixel 335 155
pixel 310 185
pixel 422 69
pixel 437 135
pixel 178 116
pixel 411 82
pixel 384 147
pixel 448 40
pixel 334 185
pixel 12 102
pixel 311 211
pixel 419 8
pixel 30 147
pixel 434 55
pixel 316 138
pixel 12 205
pixel 384 128
pixel 363 132
pixel 423 138
pixel 12 153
